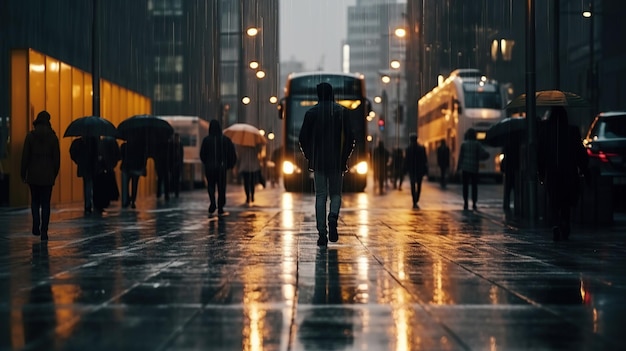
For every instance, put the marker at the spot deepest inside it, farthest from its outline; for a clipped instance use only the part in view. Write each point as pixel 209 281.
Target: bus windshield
pixel 482 96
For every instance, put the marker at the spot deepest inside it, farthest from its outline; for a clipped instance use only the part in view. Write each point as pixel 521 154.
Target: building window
pixel 168 92
pixel 168 64
pixel 165 7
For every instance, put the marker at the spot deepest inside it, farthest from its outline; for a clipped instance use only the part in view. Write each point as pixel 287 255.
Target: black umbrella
pixel 548 98
pixel 145 126
pixel 508 130
pixel 90 126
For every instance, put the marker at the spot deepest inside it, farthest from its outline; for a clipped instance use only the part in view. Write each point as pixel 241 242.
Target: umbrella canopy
pixel 90 126
pixel 507 130
pixel 549 98
pixel 145 126
pixel 244 134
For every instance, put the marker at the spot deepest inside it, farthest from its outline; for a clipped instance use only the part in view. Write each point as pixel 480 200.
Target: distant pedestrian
pixel 416 164
pixel 327 141
pixel 443 162
pixel 380 159
pixel 176 159
pixel 134 158
pixel 470 155
pixel 84 152
pixel 510 168
pixel 162 166
pixel 249 169
pixel 105 187
pixel 561 161
pixel 397 168
pixel 218 155
pixel 41 160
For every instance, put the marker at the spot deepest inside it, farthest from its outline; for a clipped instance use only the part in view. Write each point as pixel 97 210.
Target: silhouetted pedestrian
pixel 416 164
pixel 134 158
pixel 162 166
pixel 84 152
pixel 561 160
pixel 218 155
pixel 470 155
pixel 510 167
pixel 41 160
pixel 327 141
pixel 177 155
pixel 397 168
pixel 249 169
pixel 105 187
pixel 380 159
pixel 443 162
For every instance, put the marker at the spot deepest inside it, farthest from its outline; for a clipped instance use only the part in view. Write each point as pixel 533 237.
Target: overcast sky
pixel 312 31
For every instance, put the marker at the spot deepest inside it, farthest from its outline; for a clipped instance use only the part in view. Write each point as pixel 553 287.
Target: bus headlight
pixel 361 167
pixel 288 167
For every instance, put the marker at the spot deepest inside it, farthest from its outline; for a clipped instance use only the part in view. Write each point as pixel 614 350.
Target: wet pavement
pixel 163 276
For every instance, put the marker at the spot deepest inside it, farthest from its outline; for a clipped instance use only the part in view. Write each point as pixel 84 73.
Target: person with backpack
pixel 218 155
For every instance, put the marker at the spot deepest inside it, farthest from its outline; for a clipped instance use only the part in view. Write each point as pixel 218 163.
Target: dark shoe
pixel 333 235
pixel 322 241
pixel 474 207
pixel 565 230
pixel 212 209
pixel 465 206
pixel 556 233
pixel 132 205
pixel 87 210
pixel 36 231
pixel 220 212
pixel 44 236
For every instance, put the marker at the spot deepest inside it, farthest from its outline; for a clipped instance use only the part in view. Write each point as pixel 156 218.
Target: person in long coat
pixel 248 167
pixel 397 167
pixel 218 155
pixel 41 160
pixel 380 159
pixel 105 187
pixel 416 164
pixel 561 160
pixel 134 158
pixel 443 162
pixel 84 152
pixel 470 155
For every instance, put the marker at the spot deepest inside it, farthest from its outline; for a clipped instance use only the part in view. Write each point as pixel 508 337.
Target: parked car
pixel 605 142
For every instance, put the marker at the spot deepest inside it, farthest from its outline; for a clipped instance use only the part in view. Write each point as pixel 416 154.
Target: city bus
pixel 192 130
pixel 300 95
pixel 466 99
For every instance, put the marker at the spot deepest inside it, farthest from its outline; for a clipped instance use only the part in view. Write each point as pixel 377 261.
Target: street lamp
pixel 395 64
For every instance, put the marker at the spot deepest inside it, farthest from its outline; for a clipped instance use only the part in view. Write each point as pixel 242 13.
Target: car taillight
pixel 601 155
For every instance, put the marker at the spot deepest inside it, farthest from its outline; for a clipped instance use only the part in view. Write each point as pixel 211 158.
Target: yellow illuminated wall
pixel 40 82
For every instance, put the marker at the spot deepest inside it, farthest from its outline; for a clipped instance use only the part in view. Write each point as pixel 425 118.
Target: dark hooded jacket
pixel 217 150
pixel 41 158
pixel 326 138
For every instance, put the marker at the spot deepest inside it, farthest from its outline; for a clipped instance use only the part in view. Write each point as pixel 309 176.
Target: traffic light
pixel 381 124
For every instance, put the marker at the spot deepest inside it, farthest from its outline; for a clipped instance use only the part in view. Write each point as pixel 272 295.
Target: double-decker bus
pixel 301 95
pixel 466 99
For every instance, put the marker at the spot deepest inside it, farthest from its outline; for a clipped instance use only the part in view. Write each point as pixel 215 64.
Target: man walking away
pixel 443 161
pixel 218 155
pixel 417 166
pixel 327 140
pixel 84 152
pixel 470 155
pixel 41 160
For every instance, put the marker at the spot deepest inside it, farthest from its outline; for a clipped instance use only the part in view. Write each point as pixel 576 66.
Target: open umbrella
pixel 90 126
pixel 549 98
pixel 244 134
pixel 508 130
pixel 145 126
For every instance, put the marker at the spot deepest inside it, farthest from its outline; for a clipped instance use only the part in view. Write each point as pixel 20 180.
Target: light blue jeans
pixel 327 184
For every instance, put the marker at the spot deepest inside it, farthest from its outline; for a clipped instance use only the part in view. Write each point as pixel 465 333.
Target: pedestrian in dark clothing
pixel 470 155
pixel 443 161
pixel 84 152
pixel 162 166
pixel 397 168
pixel 105 187
pixel 561 161
pixel 510 167
pixel 218 155
pixel 133 166
pixel 249 169
pixel 41 160
pixel 380 159
pixel 416 165
pixel 327 140
pixel 176 163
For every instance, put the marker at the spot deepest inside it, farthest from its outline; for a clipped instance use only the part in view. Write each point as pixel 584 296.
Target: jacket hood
pixel 215 128
pixel 43 128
